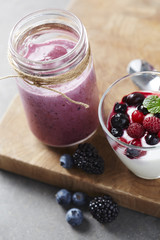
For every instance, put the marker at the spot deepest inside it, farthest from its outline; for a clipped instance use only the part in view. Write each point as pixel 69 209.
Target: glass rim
pixel 100 111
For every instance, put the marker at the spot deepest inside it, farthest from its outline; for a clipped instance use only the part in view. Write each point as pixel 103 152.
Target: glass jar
pixel 53 43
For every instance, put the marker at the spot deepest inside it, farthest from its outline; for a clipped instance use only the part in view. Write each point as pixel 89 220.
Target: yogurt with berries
pixel 135 122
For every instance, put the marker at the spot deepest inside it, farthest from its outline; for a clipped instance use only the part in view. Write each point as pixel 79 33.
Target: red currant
pixel 136 142
pixel 137 116
pixel 123 140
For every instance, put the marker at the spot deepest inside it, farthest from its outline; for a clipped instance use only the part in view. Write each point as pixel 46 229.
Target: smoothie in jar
pixel 53 119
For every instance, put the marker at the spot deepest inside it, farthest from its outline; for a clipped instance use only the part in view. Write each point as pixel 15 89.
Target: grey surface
pixel 28 209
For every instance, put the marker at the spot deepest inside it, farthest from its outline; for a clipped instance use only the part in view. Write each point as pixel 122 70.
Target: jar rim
pixel 20 60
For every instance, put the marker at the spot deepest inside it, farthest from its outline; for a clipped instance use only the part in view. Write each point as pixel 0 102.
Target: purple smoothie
pixel 54 120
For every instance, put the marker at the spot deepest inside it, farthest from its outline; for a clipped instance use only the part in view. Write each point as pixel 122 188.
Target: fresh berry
pixel 87 158
pixel 117 132
pixel 120 120
pixel 135 130
pixel 142 109
pixel 134 99
pixel 66 161
pixel 151 124
pixel 103 209
pixel 152 139
pixel 120 107
pixel 74 217
pixel 137 116
pixel 159 134
pixel 63 197
pixel 79 199
pixel 132 153
pixel 157 115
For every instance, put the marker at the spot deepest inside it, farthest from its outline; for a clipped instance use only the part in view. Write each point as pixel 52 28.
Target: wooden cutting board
pixel 119 31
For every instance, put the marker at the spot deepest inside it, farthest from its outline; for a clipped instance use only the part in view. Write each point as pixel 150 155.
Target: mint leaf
pixel 152 103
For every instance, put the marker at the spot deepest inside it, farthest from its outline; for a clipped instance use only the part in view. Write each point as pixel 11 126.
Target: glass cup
pixel 145 162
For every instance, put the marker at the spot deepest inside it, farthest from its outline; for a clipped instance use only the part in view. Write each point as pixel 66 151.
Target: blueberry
pixel 63 197
pixel 120 107
pixel 132 153
pixel 117 132
pixel 152 139
pixel 74 217
pixel 120 120
pixel 66 161
pixel 134 99
pixel 142 109
pixel 157 115
pixel 79 199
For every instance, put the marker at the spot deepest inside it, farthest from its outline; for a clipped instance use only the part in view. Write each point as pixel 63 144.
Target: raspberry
pixel 135 130
pixel 137 116
pixel 152 124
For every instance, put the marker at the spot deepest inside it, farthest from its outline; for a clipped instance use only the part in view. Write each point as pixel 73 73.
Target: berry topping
pixel 152 139
pixel 120 107
pixel 137 116
pixel 79 199
pixel 134 99
pixel 142 109
pixel 132 153
pixel 74 217
pixel 66 161
pixel 135 130
pixel 87 158
pixel 103 209
pixel 117 132
pixel 151 124
pixel 120 120
pixel 63 197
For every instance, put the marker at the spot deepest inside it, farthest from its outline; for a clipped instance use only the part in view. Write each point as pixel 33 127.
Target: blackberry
pixel 120 107
pixel 87 158
pixel 120 120
pixel 103 209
